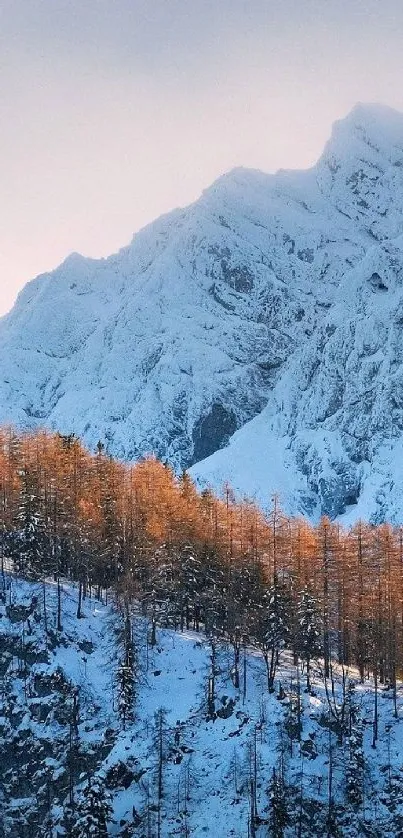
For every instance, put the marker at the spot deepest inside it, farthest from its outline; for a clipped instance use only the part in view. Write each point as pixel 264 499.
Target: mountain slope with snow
pixel 269 313
pixel 330 436
pixel 60 724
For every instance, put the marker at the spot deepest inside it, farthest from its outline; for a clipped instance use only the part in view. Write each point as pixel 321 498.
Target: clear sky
pixel 113 111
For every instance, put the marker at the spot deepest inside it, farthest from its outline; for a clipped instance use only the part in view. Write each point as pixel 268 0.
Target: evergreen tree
pixel 189 587
pixel 160 729
pixel 355 760
pixel 126 676
pixel 213 592
pixel 278 817
pixel 31 553
pixel 93 811
pixel 108 563
pixel 309 631
pixel 163 582
pixel 293 713
pixel 274 628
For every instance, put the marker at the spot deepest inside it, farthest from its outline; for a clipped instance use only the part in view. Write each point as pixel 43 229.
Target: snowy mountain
pixel 173 769
pixel 268 313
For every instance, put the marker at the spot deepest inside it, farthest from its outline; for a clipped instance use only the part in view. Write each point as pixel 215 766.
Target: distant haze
pixel 114 111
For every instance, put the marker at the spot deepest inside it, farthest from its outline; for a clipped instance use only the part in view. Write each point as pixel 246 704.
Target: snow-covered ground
pixel 207 763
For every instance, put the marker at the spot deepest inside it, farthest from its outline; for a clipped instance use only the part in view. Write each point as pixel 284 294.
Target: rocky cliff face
pixel 272 305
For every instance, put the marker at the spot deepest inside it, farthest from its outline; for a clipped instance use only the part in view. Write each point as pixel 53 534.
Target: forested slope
pixel 176 664
pixel 111 725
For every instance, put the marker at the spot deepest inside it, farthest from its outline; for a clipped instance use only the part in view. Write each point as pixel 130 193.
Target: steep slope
pixel 175 342
pixel 276 293
pixel 60 724
pixel 331 434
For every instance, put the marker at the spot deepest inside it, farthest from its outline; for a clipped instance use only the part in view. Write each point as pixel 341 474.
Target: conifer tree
pixel 189 585
pixel 309 631
pixel 213 592
pixel 274 628
pixel 160 746
pixel 355 759
pixel 31 544
pixel 93 811
pixel 125 676
pixel 278 817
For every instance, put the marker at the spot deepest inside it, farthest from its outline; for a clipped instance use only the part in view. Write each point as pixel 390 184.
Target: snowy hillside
pixel 272 305
pixel 178 764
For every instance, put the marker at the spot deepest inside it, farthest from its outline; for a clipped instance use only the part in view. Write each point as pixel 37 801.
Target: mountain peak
pixel 372 130
pixel 372 112
pixel 360 170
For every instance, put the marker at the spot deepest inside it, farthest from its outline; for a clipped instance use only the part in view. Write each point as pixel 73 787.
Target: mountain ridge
pixel 234 311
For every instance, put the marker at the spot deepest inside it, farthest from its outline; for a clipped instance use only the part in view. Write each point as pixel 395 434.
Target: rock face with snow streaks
pixel 258 331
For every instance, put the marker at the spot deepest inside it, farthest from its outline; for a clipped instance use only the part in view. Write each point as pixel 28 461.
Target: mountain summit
pixel 264 320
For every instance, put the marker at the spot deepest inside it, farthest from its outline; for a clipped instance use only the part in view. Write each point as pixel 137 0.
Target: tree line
pixel 195 560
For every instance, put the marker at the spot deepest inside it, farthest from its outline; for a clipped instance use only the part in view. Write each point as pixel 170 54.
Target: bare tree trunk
pixel 45 616
pixel 375 722
pixel 159 780
pixel 80 596
pixel 301 800
pixel 330 785
pixel 59 607
pixel 211 683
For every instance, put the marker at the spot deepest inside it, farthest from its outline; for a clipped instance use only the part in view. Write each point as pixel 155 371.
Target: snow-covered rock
pixel 269 312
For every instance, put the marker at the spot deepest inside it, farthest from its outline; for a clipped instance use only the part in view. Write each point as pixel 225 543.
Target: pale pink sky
pixel 113 111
